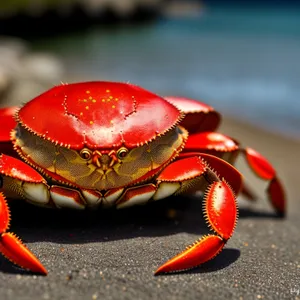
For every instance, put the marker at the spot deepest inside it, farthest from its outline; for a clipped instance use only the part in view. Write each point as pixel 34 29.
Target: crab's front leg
pixel 15 174
pixel 220 209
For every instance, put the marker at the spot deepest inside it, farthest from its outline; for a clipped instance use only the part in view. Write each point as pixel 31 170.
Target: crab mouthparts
pixel 104 161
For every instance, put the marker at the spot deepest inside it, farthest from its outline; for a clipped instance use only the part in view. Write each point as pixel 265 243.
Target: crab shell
pixel 98 115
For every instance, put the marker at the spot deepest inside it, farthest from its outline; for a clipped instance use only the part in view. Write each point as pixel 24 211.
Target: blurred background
pixel 242 57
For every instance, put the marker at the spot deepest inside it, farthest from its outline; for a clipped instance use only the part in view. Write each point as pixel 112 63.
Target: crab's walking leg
pixel 220 208
pixel 228 149
pixel 201 120
pixel 16 172
pixel 12 247
pixel 262 168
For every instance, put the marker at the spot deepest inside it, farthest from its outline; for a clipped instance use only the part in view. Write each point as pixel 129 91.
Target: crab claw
pixel 12 247
pixel 201 251
pixel 262 168
pixel 220 210
pixel 7 123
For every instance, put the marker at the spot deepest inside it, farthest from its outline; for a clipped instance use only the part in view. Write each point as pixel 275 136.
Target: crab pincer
pixel 221 215
pixel 12 247
pixel 18 174
pixel 219 208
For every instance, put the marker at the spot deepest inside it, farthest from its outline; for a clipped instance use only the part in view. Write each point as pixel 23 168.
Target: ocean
pixel 243 61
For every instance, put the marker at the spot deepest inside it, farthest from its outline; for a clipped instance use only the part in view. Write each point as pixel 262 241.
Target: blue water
pixel 244 62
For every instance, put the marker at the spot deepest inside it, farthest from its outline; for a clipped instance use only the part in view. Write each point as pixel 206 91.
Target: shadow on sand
pixel 163 218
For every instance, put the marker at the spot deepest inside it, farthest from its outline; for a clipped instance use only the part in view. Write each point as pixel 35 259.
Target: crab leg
pixel 228 149
pixel 220 209
pixel 199 116
pixel 188 175
pixel 10 245
pixel 7 123
pixel 262 168
pixel 201 120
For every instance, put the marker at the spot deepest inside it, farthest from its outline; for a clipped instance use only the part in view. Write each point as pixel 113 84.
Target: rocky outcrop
pixel 23 73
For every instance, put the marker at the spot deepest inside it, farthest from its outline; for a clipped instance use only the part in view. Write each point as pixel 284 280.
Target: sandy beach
pixel 112 255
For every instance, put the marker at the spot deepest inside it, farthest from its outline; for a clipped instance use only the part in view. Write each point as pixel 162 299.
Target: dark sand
pixel 106 255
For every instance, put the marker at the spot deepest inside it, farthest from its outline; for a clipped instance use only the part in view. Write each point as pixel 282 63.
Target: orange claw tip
pixel 14 250
pixel 200 252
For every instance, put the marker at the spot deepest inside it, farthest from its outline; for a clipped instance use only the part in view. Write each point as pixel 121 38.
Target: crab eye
pixel 122 152
pixel 86 154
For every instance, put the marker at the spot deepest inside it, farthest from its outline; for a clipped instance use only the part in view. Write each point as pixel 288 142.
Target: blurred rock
pixel 42 67
pixel 23 73
pixel 4 82
pixel 180 8
pixel 40 17
pixel 11 52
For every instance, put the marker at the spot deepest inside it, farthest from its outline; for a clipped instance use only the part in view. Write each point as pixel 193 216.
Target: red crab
pixel 104 144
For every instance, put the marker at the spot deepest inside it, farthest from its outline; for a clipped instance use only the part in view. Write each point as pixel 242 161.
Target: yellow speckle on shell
pixel 91 122
pixel 87 107
pixel 88 92
pixel 107 91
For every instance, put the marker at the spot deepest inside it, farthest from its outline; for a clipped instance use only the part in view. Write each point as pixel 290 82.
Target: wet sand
pixel 112 255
